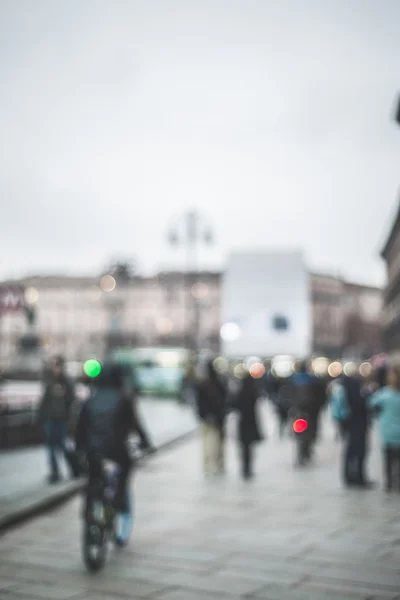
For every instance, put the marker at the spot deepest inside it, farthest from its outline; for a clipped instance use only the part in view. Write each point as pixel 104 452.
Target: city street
pixel 24 471
pixel 288 535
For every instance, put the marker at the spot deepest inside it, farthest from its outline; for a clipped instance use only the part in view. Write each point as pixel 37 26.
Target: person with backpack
pixel 306 404
pixel 349 405
pixel 212 408
pixel 386 404
pixel 106 421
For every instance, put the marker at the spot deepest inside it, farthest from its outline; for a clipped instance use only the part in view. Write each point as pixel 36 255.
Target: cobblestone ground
pixel 288 535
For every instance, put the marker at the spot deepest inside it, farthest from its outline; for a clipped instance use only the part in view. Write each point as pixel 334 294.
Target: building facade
pixel 391 313
pixel 75 317
pixel 347 318
pixel 327 297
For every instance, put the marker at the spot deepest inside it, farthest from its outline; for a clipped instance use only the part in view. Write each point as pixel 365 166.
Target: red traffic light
pixel 300 425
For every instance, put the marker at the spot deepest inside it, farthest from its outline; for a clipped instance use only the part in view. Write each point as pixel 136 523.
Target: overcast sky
pixel 272 117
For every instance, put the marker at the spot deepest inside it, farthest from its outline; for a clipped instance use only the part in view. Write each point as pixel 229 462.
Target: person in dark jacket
pixel 54 414
pixel 248 427
pixel 106 422
pixel 352 403
pixel 212 407
pixel 104 426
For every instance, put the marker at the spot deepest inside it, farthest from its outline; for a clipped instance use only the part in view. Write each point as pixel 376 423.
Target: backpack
pixel 103 407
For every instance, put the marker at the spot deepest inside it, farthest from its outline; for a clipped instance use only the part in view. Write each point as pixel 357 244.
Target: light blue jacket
pixel 340 409
pixel 387 400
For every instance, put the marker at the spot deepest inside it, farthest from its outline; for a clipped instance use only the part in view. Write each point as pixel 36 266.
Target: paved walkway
pixel 24 471
pixel 288 535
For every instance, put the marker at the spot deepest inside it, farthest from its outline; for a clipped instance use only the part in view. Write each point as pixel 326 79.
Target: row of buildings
pixel 83 316
pixel 391 256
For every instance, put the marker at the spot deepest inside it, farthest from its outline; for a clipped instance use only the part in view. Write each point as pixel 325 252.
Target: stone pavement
pixel 23 472
pixel 288 535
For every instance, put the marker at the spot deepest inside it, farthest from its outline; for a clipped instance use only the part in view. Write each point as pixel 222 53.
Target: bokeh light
pixel 251 360
pixel 164 326
pixel 107 283
pixel 350 369
pixel 230 332
pixel 200 290
pixel 31 295
pixel 296 366
pixel 320 366
pixel 300 425
pixel 240 371
pixel 92 368
pixel 282 366
pixel 335 369
pixel 365 369
pixel 221 365
pixel 257 370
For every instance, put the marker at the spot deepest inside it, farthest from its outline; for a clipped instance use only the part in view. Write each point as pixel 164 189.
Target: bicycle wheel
pixel 94 546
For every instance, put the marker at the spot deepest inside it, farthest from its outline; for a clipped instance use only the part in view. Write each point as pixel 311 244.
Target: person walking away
pixel 189 385
pixel 248 427
pixel 212 400
pixel 386 403
pixel 106 421
pixel 54 415
pixel 351 408
pixel 307 401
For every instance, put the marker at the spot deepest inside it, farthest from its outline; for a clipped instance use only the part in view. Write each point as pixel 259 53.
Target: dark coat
pixel 57 400
pixel 248 427
pixel 212 401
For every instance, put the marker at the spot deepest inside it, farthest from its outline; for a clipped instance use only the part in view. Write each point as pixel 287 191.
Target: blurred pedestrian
pixel 212 407
pixel 189 385
pixel 351 408
pixel 249 431
pixel 306 404
pixel 54 414
pixel 386 403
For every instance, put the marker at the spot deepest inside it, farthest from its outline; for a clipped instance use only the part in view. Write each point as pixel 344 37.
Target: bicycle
pixel 103 523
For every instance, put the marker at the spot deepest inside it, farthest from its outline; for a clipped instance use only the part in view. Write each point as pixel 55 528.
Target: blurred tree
pixel 122 270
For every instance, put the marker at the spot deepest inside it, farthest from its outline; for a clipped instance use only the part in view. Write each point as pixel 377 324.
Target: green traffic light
pixel 92 368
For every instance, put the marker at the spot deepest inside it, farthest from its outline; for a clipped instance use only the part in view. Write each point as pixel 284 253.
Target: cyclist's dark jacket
pixel 105 422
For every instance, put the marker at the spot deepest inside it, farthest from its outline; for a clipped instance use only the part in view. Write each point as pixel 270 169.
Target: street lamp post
pixel 189 231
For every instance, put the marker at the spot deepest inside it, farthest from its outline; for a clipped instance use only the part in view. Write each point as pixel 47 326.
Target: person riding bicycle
pixel 107 420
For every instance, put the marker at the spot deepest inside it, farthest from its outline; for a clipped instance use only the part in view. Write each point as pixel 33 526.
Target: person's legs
pixel 388 458
pixel 221 451
pixel 361 453
pixel 206 431
pixel 51 441
pixel 246 460
pixel 93 485
pixel 215 448
pixel 348 461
